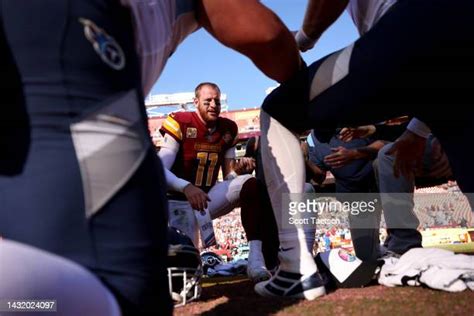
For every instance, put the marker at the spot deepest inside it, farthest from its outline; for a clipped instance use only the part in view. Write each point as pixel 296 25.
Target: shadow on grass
pixel 235 296
pixel 241 299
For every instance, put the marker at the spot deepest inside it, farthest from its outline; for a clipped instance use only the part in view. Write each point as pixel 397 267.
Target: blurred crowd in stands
pixel 442 206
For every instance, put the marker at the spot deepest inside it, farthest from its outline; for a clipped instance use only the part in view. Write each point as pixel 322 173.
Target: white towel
pixel 436 268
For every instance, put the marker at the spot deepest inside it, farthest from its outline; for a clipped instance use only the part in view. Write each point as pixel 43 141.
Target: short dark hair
pixel 202 84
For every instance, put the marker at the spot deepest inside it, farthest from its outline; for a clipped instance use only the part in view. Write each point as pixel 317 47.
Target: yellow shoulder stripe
pixel 173 127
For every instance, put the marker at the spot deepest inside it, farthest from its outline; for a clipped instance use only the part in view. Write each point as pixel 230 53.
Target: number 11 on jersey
pixel 203 158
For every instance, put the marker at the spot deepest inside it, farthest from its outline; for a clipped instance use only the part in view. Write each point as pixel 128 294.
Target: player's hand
pixel 244 165
pixel 303 41
pixel 340 157
pixel 196 197
pixel 349 133
pixel 408 151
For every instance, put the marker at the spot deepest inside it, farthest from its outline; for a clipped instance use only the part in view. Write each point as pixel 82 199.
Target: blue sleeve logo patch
pixel 104 45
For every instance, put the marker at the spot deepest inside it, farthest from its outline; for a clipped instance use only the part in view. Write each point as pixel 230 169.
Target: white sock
pixel 284 166
pixel 284 170
pixel 255 254
pixel 295 255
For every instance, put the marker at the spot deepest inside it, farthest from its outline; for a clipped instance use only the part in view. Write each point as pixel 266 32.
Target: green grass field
pixel 235 296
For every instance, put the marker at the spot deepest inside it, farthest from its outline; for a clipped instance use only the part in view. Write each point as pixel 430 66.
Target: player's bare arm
pixel 253 30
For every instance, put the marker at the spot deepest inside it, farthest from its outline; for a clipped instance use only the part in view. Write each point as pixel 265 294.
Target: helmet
pixel 210 260
pixel 184 268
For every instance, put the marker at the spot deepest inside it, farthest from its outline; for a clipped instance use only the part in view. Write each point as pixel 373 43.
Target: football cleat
pixel 293 285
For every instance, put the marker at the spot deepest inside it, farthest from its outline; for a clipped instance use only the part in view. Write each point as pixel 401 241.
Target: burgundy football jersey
pixel 201 152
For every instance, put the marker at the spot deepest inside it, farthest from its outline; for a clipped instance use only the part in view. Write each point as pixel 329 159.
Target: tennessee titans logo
pixel 104 45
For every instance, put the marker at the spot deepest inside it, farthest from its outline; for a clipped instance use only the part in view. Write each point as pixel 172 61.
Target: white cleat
pixel 293 285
